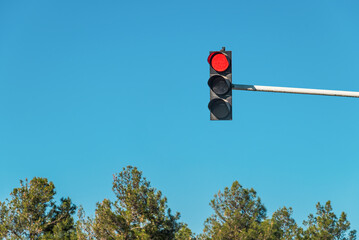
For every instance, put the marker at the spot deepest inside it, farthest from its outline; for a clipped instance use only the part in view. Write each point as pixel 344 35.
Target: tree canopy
pixel 140 212
pixel 31 213
pixel 240 215
pixel 326 225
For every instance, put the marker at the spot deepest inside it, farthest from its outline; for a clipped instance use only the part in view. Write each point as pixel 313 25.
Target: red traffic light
pixel 218 61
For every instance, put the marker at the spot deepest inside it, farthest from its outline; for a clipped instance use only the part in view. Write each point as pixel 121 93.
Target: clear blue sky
pixel 89 87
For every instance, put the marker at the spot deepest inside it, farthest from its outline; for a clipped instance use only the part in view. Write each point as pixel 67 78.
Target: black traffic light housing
pixel 220 84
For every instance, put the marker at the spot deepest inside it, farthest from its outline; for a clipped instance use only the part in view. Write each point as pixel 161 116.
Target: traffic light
pixel 220 84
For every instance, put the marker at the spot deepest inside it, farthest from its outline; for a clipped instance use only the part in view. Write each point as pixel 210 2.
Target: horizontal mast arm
pixel 295 90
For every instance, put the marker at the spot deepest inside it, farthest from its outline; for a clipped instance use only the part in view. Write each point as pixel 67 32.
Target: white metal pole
pixel 295 90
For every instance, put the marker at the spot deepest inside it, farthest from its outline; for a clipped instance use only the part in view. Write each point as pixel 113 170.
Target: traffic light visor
pixel 218 61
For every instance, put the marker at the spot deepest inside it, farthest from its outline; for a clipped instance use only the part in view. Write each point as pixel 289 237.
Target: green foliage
pixel 32 213
pixel 63 227
pixel 139 212
pixel 284 225
pixel 84 226
pixel 184 233
pixel 238 213
pixel 326 225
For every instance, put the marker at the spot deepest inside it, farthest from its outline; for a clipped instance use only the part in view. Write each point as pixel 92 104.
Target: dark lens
pixel 220 109
pixel 220 86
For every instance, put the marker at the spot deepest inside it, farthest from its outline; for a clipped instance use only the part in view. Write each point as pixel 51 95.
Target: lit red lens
pixel 218 61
